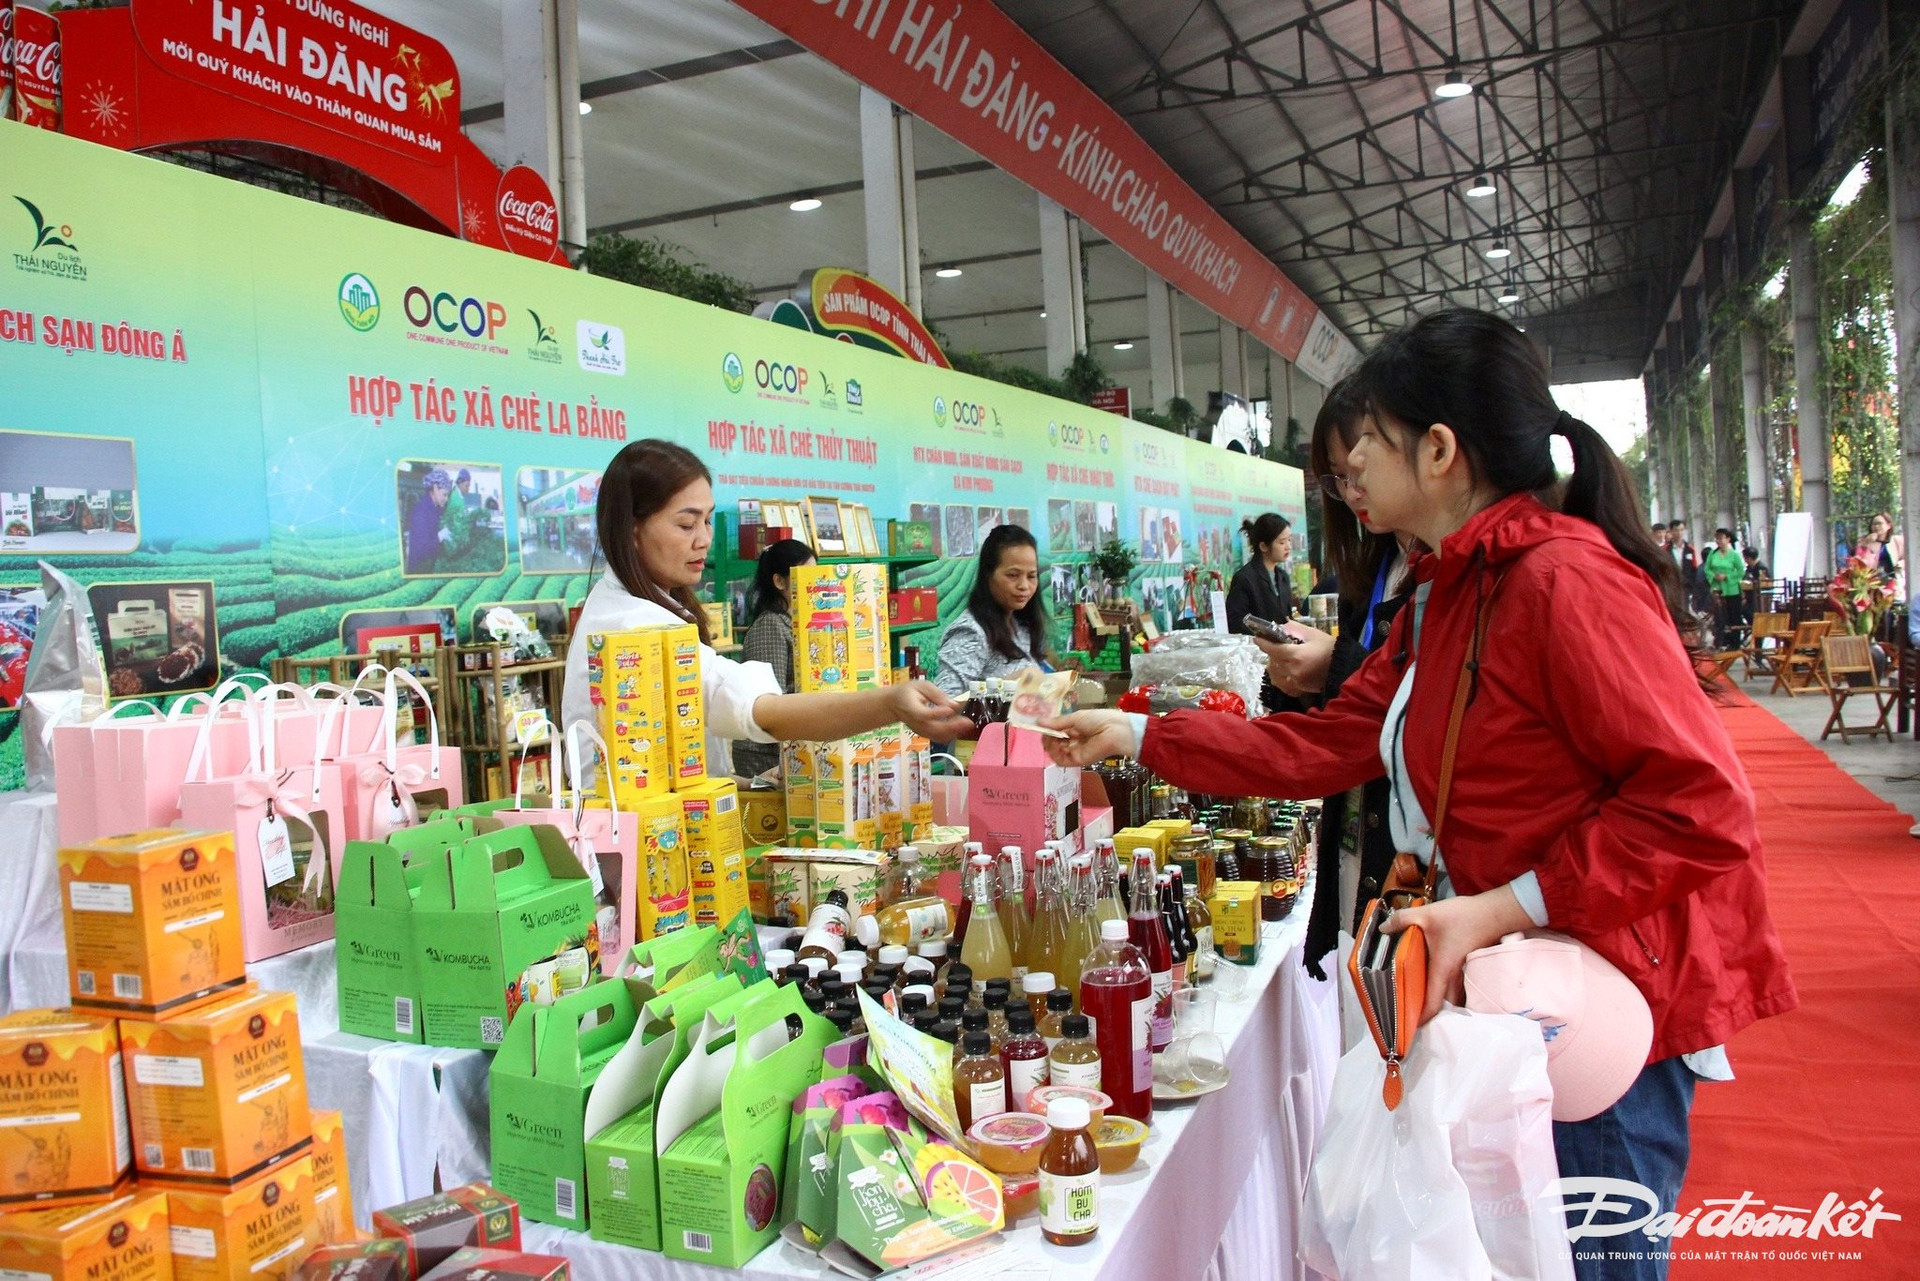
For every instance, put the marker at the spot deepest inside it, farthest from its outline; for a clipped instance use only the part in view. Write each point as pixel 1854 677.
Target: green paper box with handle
pixel 722 1126
pixel 541 1084
pixel 623 1184
pixel 502 919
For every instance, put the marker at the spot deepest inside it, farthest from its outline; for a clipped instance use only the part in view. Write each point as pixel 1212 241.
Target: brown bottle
pixel 980 1083
pixel 1069 1176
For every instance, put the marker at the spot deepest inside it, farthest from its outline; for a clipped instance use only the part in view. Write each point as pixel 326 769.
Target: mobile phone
pixel 1268 630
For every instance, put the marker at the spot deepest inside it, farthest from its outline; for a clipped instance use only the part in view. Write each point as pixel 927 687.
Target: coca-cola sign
pixel 36 68
pixel 6 59
pixel 529 219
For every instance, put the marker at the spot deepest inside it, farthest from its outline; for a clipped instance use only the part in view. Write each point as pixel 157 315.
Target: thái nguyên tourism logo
pixel 359 302
pixel 732 372
pixel 546 346
pixel 50 250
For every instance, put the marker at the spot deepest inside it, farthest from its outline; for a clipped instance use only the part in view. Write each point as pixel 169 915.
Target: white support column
pixel 1061 285
pixel 1809 396
pixel 540 40
pixel 1656 485
pixel 1163 342
pixel 893 217
pixel 1721 455
pixel 1903 200
pixel 1753 388
pixel 1233 359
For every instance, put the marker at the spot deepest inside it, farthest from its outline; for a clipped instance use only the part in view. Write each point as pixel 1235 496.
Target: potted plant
pixel 1861 594
pixel 1115 561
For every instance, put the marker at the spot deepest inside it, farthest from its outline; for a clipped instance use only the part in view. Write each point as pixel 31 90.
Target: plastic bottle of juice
pixel 1117 994
pixel 1075 1059
pixel 1148 932
pixel 1025 1057
pixel 979 1080
pixel 1069 1176
pixel 985 950
pixel 907 923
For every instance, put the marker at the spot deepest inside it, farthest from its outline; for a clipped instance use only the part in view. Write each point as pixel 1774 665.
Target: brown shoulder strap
pixel 1462 693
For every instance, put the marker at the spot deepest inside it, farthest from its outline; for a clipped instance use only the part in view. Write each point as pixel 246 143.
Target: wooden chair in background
pixel 1848 661
pixel 1765 640
pixel 1797 668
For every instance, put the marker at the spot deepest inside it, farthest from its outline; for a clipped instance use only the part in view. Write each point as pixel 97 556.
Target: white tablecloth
pixel 1216 1194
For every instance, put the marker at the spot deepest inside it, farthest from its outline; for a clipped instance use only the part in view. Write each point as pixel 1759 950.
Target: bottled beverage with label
pixel 1199 963
pixel 1047 934
pixel 827 929
pixel 985 949
pixel 903 876
pixel 1025 1056
pixel 1117 995
pixel 1200 924
pixel 979 1080
pixel 1106 871
pixel 1083 927
pixel 907 923
pixel 1074 1059
pixel 1069 1176
pixel 1148 932
pixel 1014 918
pixel 1173 919
pixel 1059 1005
pixel 968 852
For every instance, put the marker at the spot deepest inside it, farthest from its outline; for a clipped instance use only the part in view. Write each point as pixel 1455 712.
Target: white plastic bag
pixel 1452 1183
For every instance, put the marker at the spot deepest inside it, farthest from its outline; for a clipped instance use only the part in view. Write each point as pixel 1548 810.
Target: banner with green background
pixel 334 420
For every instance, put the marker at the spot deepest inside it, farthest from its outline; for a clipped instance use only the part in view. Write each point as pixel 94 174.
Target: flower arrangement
pixel 1861 594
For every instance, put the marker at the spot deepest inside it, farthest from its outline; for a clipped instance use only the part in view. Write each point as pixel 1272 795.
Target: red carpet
pixel 1828 1096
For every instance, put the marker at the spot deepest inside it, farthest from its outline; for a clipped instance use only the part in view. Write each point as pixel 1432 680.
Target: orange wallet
pixel 1389 973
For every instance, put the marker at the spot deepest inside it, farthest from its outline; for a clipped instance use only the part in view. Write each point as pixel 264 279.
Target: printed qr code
pixel 403 1015
pixel 197 1160
pixel 128 987
pixel 153 1156
pixel 84 983
pixel 563 1198
pixel 492 1031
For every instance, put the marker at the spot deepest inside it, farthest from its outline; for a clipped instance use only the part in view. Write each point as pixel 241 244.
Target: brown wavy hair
pixel 640 481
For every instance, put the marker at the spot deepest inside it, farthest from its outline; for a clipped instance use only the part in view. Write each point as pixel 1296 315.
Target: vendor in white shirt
pixel 655 521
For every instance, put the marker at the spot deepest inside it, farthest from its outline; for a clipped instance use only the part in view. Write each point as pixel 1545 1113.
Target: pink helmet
pixel 1596 1023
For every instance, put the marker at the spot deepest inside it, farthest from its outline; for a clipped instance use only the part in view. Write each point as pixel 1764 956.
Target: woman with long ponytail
pixel 1587 792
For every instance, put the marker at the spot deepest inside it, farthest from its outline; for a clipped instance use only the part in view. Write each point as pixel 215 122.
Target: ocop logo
pixel 359 302
pixel 443 311
pixel 775 376
pixel 732 372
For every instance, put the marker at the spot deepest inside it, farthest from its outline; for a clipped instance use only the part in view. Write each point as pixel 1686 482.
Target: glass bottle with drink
pixel 1014 918
pixel 985 950
pixel 1147 931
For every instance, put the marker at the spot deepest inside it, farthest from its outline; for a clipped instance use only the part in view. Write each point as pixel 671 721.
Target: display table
pixel 1215 1195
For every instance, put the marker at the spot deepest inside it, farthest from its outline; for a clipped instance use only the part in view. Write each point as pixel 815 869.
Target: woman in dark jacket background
pixel 1261 588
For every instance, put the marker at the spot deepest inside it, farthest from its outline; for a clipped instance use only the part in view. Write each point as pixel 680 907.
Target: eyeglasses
pixel 1333 484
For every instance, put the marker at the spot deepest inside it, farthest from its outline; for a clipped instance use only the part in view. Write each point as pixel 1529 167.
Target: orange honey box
pixel 219 1094
pixel 332 1197
pixel 153 921
pixel 64 1136
pixel 125 1239
pixel 257 1231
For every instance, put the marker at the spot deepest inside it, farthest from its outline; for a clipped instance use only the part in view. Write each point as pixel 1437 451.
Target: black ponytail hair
pixel 1479 375
pixel 1263 529
pixel 777 561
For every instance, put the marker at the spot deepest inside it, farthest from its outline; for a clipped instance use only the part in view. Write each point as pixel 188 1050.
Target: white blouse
pixel 731 688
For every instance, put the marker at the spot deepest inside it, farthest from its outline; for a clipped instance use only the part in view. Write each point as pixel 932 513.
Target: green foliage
pixel 1082 378
pixel 1180 418
pixel 1116 560
pixel 655 264
pixel 1085 377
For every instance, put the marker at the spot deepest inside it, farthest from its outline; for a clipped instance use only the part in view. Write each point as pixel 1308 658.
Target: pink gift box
pixel 396 786
pixel 119 774
pixel 1016 795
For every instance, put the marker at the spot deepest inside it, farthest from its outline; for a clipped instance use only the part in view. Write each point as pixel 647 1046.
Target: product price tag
pixel 583 850
pixel 276 849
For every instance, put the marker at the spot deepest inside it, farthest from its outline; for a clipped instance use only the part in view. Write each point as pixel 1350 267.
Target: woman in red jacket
pixel 1589 792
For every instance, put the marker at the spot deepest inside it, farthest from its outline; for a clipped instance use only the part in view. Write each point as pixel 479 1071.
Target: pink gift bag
pixel 386 786
pixel 139 764
pixel 606 842
pixel 286 824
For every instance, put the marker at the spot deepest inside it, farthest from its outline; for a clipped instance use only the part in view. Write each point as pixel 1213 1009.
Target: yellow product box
pixel 787 886
pixel 834 786
pixel 716 854
pixel 1236 920
pixel 258 1231
pixel 628 674
pixel 666 901
pixel 759 892
pixel 64 1136
pixel 686 704
pixel 1179 827
pixel 822 629
pixel 860 873
pixel 219 1094
pixel 916 755
pixel 763 815
pixel 153 921
pixel 124 1239
pixel 1129 839
pixel 801 791
pixel 332 1197
pixel 867 611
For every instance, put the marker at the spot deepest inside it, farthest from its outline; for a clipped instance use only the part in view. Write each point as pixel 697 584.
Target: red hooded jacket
pixel 1589 756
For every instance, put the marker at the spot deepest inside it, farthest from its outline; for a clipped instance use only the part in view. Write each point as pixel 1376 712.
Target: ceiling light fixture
pixel 586 108
pixel 1123 346
pixel 1043 315
pixel 1454 86
pixel 947 273
pixel 1482 185
pixel 806 204
pixel 1509 294
pixel 1499 250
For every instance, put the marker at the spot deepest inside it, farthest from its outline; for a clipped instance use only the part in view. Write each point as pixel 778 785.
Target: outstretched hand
pixel 1088 737
pixel 926 709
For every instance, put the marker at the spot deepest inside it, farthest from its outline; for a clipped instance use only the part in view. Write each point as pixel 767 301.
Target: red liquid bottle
pixel 1116 993
pixel 1148 932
